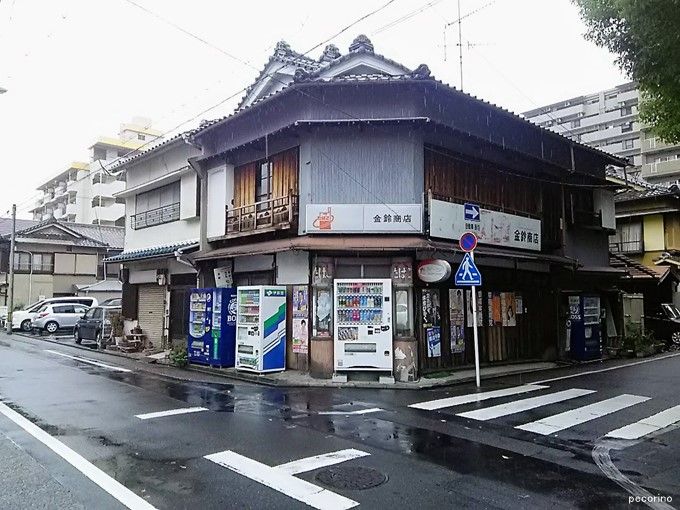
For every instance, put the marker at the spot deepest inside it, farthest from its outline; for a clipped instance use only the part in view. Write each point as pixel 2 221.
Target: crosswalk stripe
pixel 561 421
pixel 526 404
pixel 433 405
pixel 648 425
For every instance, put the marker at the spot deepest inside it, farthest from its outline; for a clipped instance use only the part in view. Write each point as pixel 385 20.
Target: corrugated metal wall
pixel 354 165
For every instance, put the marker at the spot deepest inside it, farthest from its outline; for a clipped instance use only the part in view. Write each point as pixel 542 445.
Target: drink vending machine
pixel 261 328
pixel 363 325
pixel 583 327
pixel 212 326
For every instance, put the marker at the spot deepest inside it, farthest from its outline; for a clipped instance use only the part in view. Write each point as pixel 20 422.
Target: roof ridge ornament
pixel 330 53
pixel 422 72
pixel 301 75
pixel 282 49
pixel 361 44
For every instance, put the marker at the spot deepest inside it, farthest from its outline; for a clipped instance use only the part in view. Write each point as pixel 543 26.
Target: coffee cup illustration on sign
pixel 324 220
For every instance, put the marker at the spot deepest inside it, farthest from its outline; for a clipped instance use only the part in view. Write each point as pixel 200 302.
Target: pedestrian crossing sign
pixel 467 274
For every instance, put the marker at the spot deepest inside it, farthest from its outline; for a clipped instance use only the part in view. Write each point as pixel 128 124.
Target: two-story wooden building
pixel 353 166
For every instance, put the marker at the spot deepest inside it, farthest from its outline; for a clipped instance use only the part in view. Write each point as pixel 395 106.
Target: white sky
pixel 77 69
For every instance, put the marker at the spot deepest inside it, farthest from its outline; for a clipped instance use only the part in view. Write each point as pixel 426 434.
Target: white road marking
pixel 432 405
pixel 360 411
pixel 568 419
pixel 274 478
pixel 170 412
pixel 589 372
pixel 526 404
pixel 603 460
pixel 319 461
pixel 89 361
pixel 124 495
pixel 648 425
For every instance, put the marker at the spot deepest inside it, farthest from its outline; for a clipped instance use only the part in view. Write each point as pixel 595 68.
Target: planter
pixel 613 352
pixel 645 351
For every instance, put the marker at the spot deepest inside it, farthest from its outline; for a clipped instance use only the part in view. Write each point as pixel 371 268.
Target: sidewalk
pixel 295 379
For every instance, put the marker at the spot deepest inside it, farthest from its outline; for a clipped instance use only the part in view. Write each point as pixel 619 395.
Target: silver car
pixel 54 316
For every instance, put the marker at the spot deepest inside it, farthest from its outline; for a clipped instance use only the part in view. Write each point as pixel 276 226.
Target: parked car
pixel 112 302
pixel 95 325
pixel 55 316
pixel 21 319
pixel 665 324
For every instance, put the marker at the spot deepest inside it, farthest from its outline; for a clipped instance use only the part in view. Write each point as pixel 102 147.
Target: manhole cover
pixel 352 478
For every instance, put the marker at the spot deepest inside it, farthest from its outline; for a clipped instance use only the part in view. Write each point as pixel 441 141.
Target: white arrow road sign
pixel 471 212
pixel 281 477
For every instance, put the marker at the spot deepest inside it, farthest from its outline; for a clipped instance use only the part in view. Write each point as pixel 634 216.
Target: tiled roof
pixel 85 234
pixel 634 269
pixel 145 152
pixel 634 180
pixel 100 286
pixel 154 252
pixel 6 225
pixel 632 194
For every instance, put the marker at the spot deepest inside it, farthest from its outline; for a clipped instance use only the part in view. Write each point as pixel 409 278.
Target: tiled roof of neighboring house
pixel 6 225
pixel 80 234
pixel 422 73
pixel 634 269
pixel 154 252
pixel 145 152
pixel 632 194
pixel 634 181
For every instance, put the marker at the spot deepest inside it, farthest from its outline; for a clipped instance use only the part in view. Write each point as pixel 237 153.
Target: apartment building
pixel 608 120
pixel 84 192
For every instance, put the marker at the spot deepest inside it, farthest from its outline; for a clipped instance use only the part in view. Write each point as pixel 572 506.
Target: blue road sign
pixel 468 241
pixel 471 212
pixel 467 274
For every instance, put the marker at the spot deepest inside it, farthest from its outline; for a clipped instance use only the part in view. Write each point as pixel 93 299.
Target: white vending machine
pixel 363 325
pixel 261 328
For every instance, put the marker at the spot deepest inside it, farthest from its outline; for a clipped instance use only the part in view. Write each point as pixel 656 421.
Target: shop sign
pixel 448 221
pixel 323 272
pixel 360 218
pixel 402 272
pixel 434 270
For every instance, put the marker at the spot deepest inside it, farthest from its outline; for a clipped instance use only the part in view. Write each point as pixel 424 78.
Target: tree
pixel 645 36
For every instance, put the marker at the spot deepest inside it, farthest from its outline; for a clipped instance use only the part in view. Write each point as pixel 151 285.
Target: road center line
pixel 89 361
pixel 274 478
pixel 171 412
pixel 432 405
pixel 319 461
pixel 360 411
pixel 124 495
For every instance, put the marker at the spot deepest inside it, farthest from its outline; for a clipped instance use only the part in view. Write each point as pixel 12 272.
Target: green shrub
pixel 178 356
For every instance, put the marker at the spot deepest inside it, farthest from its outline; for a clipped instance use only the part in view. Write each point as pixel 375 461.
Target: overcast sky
pixel 77 69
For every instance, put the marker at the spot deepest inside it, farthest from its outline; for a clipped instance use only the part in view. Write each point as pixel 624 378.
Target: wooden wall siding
pixel 284 177
pixel 244 184
pixel 285 173
pixel 457 178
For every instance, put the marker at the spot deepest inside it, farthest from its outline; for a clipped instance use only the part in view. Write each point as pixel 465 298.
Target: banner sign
pixel 360 218
pixel 448 221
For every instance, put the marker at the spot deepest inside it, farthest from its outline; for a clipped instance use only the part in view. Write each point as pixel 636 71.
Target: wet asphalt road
pixel 432 459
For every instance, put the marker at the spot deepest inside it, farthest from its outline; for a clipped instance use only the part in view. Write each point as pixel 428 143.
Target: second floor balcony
pixel 631 246
pixel 157 216
pixel 267 215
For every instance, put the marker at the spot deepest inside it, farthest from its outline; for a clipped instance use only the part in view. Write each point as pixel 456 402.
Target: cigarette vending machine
pixel 212 326
pixel 363 325
pixel 583 326
pixel 261 328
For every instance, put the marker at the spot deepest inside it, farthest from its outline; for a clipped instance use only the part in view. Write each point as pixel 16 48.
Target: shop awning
pixel 372 244
pixel 153 252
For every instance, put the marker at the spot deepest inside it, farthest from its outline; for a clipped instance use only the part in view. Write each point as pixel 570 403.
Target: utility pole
pixel 460 46
pixel 10 307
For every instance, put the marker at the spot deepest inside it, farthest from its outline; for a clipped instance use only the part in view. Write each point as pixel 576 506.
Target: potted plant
pixel 179 356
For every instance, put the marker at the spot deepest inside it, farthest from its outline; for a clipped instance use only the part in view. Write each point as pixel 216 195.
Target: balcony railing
pixel 635 246
pixel 152 217
pixel 274 213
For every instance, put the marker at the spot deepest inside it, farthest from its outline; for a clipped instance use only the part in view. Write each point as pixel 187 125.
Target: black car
pixel 96 325
pixel 665 324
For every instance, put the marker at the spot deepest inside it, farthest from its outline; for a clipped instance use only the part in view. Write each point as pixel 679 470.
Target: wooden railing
pixel 268 214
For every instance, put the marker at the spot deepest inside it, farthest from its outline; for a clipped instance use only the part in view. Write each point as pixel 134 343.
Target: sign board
pixel 448 221
pixel 468 242
pixel 467 274
pixel 471 212
pixel 360 218
pixel 434 270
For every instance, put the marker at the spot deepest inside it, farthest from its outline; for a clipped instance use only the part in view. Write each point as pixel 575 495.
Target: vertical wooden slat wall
pixel 244 184
pixel 284 173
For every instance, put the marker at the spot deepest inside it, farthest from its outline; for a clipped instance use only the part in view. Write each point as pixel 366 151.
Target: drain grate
pixel 351 478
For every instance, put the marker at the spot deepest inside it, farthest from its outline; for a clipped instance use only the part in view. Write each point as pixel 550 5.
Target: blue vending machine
pixel 583 327
pixel 212 326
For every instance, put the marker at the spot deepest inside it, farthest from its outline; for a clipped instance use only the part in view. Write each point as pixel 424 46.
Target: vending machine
pixel 363 325
pixel 212 326
pixel 583 327
pixel 261 328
